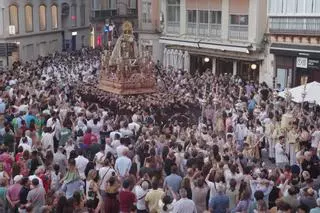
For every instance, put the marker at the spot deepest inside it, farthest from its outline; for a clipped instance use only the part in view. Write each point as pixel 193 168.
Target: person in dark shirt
pixel 24 191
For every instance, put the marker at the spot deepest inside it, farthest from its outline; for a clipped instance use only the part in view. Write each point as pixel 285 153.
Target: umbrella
pixel 186 58
pixel 311 91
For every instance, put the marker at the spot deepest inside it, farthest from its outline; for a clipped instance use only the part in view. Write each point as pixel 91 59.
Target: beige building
pixel 226 36
pixel 294 43
pixel 32 28
pixel 150 28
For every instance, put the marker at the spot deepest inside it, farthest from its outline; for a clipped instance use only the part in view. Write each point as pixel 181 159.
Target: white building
pixel 32 28
pixel 227 36
pixel 294 29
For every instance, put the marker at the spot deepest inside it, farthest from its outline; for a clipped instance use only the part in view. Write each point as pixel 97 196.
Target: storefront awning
pixel 199 43
pixel 295 50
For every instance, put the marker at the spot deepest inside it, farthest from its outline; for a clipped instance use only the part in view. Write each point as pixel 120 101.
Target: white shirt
pixel 281 156
pixel 120 149
pixel 140 195
pixel 47 141
pixel 134 126
pixel 31 177
pixel 115 143
pixel 26 146
pixel 29 141
pixel 315 139
pixel 105 173
pixel 109 149
pixel 98 158
pixel 81 164
pixel 184 205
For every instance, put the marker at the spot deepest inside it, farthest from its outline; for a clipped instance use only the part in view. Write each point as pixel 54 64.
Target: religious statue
pixel 124 72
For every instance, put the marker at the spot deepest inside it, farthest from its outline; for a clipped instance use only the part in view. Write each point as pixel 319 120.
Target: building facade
pixel 107 17
pixel 226 36
pixel 294 29
pixel 150 28
pixel 32 28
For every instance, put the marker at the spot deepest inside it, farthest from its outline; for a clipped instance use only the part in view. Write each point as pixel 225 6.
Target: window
pixel 54 17
pixel 192 16
pixel 133 4
pixel 1 20
pixel 239 19
pixel 173 10
pixel 146 12
pixel 83 15
pixel 74 15
pixel 42 18
pixel 14 17
pixel 203 16
pixel 215 17
pixel 112 4
pixel 28 18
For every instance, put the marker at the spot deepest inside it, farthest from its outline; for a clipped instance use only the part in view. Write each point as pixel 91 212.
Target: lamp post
pixel 253 68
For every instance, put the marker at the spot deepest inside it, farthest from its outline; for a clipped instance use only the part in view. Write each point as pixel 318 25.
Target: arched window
pixel 42 17
pixel 54 17
pixel 14 17
pixel 28 12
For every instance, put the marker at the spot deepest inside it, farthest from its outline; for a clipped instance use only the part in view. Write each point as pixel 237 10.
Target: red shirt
pixel 127 199
pixel 19 156
pixel 89 139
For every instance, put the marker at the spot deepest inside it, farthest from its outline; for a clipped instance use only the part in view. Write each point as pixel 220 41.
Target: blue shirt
pixel 2 107
pixel 28 119
pixel 72 187
pixel 173 181
pixel 219 203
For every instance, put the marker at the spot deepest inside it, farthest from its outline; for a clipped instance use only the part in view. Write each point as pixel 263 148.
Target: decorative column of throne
pixel 124 72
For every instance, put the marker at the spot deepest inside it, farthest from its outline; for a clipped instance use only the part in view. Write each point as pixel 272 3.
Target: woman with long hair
pixel 112 200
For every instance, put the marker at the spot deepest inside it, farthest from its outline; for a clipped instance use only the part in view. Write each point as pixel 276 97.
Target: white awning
pixel 204 44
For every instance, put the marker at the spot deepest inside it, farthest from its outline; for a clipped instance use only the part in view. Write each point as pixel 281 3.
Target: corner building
pixel 225 36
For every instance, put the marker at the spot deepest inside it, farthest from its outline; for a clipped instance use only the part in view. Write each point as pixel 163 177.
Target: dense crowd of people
pixel 67 146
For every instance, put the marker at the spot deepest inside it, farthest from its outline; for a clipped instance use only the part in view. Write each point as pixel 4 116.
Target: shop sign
pixel 314 64
pixel 302 62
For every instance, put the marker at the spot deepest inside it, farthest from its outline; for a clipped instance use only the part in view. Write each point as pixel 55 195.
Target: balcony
pixel 295 26
pixel 238 32
pixel 192 29
pixel 173 27
pixel 204 29
pixel 99 15
pixel 215 30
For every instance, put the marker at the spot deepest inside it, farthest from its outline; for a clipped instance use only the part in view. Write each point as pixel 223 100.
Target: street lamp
pixel 253 66
pixel 206 59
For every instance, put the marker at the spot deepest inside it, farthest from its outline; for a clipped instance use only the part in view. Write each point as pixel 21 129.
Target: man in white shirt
pixel 123 165
pixel 81 164
pixel 24 144
pixel 115 141
pixel 141 191
pixel 99 157
pixel 315 137
pixel 121 149
pixel 281 157
pixel 184 205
